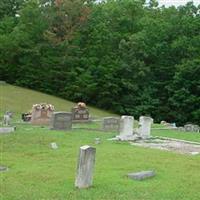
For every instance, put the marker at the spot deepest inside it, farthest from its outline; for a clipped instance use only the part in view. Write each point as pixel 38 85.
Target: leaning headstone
pixel 126 128
pixel 141 175
pixel 85 167
pixel 41 114
pixel 145 127
pixel 61 121
pixel 111 124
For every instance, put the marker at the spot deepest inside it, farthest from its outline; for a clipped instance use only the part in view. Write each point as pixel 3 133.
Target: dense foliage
pixel 122 55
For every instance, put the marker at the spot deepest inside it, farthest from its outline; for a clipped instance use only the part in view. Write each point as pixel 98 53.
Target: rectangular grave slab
pixel 5 130
pixel 61 121
pixel 141 175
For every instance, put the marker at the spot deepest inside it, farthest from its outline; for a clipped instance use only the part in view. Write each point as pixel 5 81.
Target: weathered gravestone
pixel 141 175
pixel 80 113
pixel 111 124
pixel 126 128
pixel 61 121
pixel 41 114
pixel 145 127
pixel 85 167
pixel 5 130
pixel 188 127
pixel 7 118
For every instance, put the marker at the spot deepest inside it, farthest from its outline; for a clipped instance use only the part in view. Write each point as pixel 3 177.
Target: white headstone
pixel 126 125
pixel 85 167
pixel 145 127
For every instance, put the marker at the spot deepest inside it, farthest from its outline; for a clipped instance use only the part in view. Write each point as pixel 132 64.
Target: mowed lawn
pixel 37 172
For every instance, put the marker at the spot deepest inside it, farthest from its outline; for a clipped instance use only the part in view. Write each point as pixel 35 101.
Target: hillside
pixel 18 100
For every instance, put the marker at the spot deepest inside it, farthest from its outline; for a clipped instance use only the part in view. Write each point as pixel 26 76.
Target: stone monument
pixel 111 124
pixel 61 121
pixel 145 127
pixel 41 114
pixel 85 167
pixel 80 113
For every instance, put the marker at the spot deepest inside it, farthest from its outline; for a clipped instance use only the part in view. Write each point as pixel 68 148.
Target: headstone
pixel 141 175
pixel 7 118
pixel 97 141
pixel 41 114
pixel 3 168
pixel 196 128
pixel 26 117
pixel 126 128
pixel 61 121
pixel 111 124
pixel 145 127
pixel 80 112
pixel 85 167
pixel 188 127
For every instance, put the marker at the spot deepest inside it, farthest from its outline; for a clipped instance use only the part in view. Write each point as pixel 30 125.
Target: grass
pixel 19 100
pixel 36 172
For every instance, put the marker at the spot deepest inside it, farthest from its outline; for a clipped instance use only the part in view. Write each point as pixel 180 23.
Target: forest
pixel 127 56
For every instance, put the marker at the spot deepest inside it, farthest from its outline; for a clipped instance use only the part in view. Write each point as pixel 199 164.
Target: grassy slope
pixel 20 100
pixel 39 173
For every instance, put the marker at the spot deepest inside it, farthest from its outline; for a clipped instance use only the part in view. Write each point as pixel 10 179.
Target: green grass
pixel 36 172
pixel 20 100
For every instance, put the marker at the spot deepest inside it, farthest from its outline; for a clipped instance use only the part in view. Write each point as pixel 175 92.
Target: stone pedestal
pixel 61 121
pixel 145 127
pixel 85 167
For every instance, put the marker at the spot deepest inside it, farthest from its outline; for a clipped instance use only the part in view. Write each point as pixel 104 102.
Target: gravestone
pixel 7 118
pixel 145 127
pixel 188 127
pixel 41 114
pixel 141 175
pixel 111 124
pixel 85 167
pixel 5 130
pixel 126 128
pixel 80 113
pixel 196 128
pixel 61 121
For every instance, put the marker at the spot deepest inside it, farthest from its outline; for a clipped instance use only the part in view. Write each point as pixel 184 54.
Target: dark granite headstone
pixel 111 124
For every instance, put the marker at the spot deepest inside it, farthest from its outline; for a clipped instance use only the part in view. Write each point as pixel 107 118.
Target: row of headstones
pixel 190 128
pixel 125 126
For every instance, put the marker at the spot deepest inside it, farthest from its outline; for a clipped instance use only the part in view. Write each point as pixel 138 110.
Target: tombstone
pixel 141 175
pixel 188 127
pixel 80 113
pixel 7 118
pixel 196 128
pixel 26 117
pixel 5 130
pixel 97 141
pixel 145 127
pixel 61 121
pixel 126 128
pixel 85 167
pixel 41 114
pixel 111 124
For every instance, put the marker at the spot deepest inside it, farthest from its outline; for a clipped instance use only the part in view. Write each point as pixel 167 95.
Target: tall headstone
pixel 126 128
pixel 111 124
pixel 145 127
pixel 85 167
pixel 61 121
pixel 41 114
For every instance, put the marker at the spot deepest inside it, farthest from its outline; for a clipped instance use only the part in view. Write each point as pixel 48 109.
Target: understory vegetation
pixel 122 55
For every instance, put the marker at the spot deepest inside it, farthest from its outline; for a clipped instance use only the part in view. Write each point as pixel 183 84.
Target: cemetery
pixel 91 160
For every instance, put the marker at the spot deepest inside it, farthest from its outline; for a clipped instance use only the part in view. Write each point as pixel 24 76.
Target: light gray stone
pixel 3 168
pixel 85 167
pixel 97 141
pixel 7 130
pixel 145 127
pixel 111 124
pixel 126 126
pixel 141 175
pixel 61 121
pixel 53 145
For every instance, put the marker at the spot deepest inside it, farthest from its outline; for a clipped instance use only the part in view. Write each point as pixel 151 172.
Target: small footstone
pixel 141 175
pixel 3 168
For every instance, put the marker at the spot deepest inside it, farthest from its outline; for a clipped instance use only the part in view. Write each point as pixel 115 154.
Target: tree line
pixel 126 56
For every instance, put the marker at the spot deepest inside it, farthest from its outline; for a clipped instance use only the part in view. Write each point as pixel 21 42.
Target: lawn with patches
pixel 37 172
